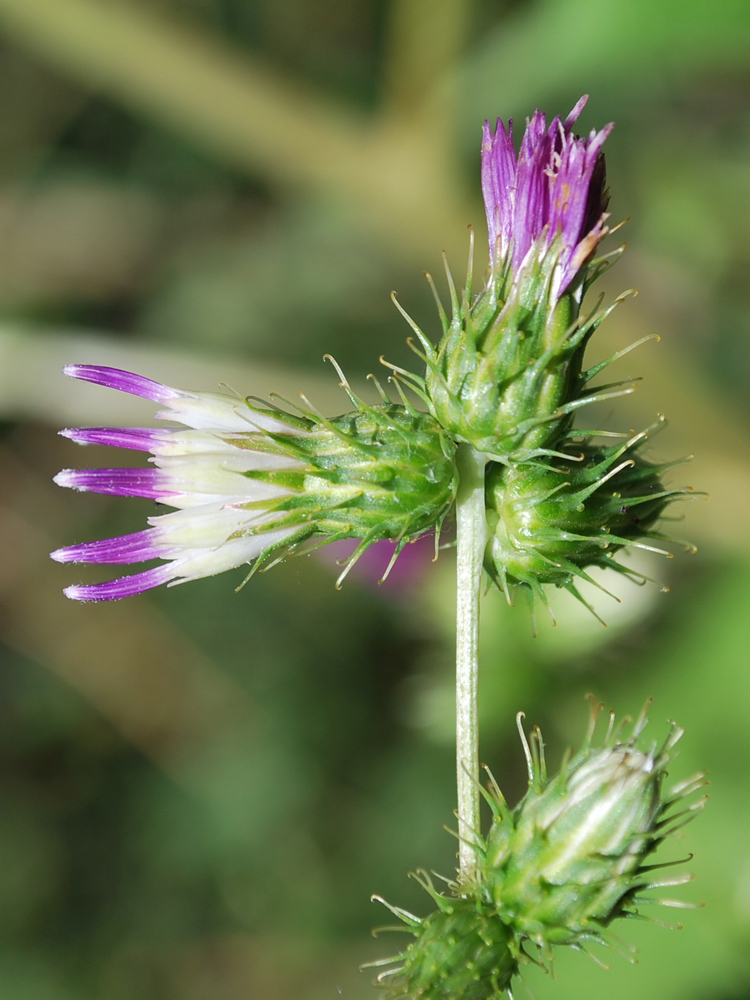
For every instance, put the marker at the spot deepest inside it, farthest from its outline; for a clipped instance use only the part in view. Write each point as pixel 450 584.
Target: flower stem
pixel 471 534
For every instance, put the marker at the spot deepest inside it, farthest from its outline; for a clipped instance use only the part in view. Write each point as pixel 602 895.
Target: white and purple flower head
pixel 251 484
pixel 202 470
pixel 553 190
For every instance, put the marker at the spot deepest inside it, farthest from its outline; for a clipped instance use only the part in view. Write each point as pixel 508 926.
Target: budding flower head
pixel 507 376
pixel 548 522
pixel 252 483
pixel 557 870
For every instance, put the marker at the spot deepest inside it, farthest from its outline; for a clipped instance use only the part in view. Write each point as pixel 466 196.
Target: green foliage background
pixel 199 789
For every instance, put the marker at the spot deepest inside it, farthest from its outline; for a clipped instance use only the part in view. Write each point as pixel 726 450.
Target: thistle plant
pixel 483 432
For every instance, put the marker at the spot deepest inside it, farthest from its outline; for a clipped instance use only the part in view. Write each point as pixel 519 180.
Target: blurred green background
pixel 199 790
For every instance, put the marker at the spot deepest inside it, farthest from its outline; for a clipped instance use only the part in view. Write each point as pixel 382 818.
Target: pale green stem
pixel 471 540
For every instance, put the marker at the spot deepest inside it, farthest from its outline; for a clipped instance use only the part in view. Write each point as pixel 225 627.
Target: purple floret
pixel 554 189
pixel 499 183
pixel 125 586
pixel 115 482
pixel 134 438
pixel 115 378
pixel 138 547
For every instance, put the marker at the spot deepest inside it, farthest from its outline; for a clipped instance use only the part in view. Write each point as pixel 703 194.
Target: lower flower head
pixel 573 856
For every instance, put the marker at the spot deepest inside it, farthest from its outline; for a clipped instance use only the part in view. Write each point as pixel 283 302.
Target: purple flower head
pixel 554 188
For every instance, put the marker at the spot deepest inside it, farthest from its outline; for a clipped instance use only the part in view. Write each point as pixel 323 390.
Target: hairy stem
pixel 472 531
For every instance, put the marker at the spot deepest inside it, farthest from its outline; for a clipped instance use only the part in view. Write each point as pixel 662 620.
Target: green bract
pixel 556 870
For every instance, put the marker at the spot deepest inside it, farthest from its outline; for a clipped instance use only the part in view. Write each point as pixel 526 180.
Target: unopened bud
pixel 547 522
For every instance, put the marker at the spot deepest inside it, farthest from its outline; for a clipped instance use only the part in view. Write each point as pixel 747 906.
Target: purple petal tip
pixel 76 593
pixel 125 586
pixel 133 438
pixel 575 114
pixel 116 378
pixel 66 477
pixel 114 482
pixel 138 547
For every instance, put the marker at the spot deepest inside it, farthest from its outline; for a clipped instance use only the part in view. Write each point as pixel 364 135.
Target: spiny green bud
pixel 547 522
pixel 556 870
pixel 507 375
pixel 461 952
pixel 570 858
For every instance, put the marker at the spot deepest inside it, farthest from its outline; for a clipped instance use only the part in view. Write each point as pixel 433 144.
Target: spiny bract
pixel 383 471
pixel 507 376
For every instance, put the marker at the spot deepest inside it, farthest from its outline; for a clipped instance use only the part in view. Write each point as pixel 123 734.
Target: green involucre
pixel 461 952
pixel 383 471
pixel 507 376
pixel 548 522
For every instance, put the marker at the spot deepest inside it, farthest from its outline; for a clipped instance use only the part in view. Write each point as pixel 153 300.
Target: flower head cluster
pixel 250 484
pixel 574 855
pixel 507 378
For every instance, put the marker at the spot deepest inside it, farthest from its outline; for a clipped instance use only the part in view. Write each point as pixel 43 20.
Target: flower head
pixel 554 190
pixel 549 522
pixel 571 857
pixel 507 375
pixel 251 483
